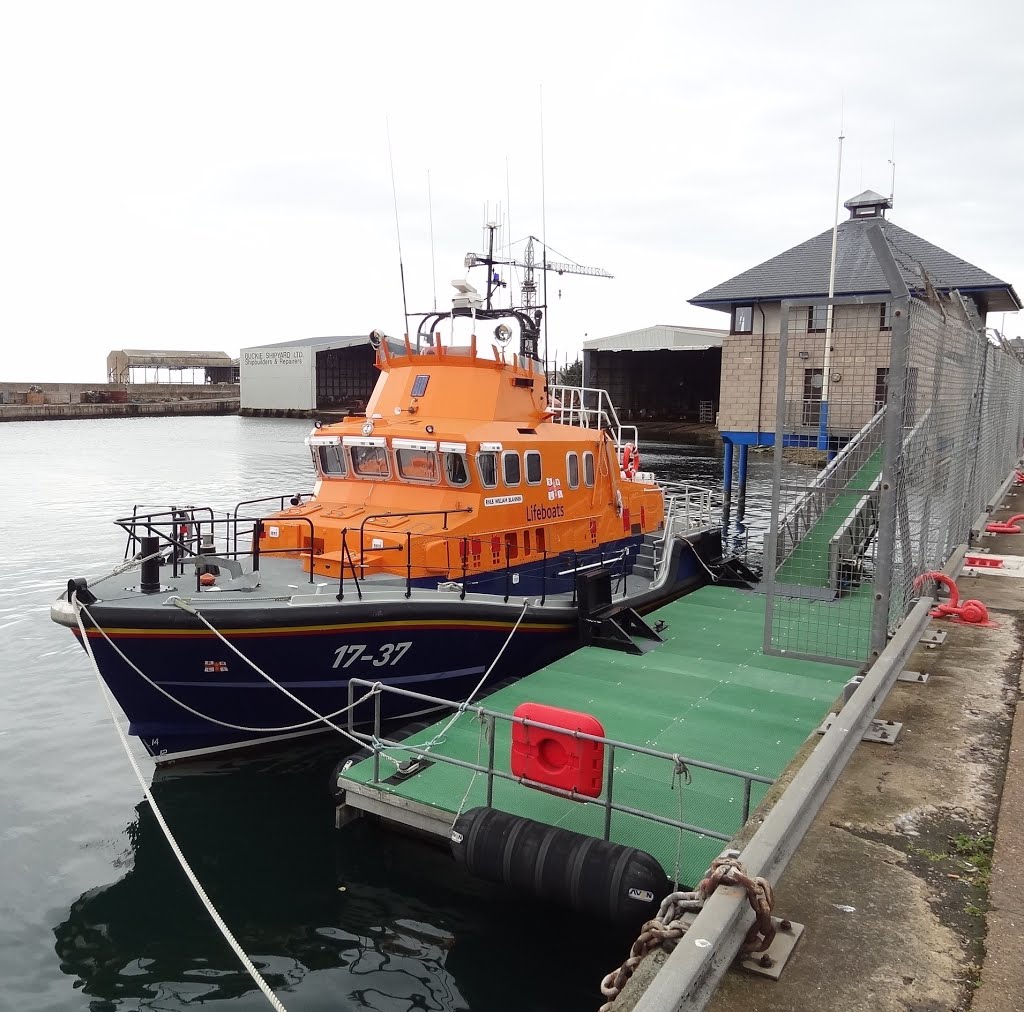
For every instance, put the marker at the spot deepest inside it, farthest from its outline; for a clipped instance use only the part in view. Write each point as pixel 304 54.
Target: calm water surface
pixel 95 912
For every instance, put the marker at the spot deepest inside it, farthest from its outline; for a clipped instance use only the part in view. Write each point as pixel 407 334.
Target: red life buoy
pixel 630 460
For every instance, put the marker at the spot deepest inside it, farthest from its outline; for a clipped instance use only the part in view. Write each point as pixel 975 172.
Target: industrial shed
pixel 308 375
pixel 124 365
pixel 662 372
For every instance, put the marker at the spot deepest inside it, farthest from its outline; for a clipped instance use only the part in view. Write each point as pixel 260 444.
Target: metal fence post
pixel 892 441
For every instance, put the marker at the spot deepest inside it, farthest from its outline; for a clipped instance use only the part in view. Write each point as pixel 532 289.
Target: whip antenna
pixel 433 269
pixel 398 233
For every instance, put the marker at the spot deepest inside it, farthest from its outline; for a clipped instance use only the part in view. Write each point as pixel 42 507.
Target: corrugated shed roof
pixel 316 343
pixel 803 270
pixel 663 337
pixel 150 358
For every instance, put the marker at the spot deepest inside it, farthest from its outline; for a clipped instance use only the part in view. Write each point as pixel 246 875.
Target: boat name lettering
pixel 386 655
pixel 503 500
pixel 545 512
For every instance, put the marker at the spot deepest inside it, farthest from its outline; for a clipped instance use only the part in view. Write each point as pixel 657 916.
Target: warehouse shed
pixel 125 365
pixel 333 374
pixel 662 372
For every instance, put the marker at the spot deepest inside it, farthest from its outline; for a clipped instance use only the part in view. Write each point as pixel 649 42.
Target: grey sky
pixel 215 175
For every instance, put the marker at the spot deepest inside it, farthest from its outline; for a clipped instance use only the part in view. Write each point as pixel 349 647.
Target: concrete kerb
pixel 737 994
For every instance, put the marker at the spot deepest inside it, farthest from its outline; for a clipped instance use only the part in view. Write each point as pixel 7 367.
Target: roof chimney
pixel 868 205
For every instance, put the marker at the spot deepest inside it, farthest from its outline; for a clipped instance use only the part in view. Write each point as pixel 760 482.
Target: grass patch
pixel 976 853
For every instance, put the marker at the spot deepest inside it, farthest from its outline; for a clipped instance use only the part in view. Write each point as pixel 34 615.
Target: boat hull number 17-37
pixel 386 655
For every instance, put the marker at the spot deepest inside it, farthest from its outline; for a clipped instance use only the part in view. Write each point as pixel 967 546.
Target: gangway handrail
pixel 800 516
pixel 490 717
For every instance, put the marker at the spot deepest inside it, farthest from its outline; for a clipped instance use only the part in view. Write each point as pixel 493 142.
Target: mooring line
pixel 185 866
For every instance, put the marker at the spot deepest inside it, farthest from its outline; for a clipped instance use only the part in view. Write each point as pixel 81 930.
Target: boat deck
pixel 708 693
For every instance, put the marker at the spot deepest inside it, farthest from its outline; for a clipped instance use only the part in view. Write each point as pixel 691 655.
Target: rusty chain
pixel 667 927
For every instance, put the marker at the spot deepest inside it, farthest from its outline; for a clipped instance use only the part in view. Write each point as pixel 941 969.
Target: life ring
pixel 630 460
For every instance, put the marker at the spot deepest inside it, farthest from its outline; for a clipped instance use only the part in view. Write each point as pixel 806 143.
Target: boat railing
pixel 590 408
pixel 616 755
pixel 188 535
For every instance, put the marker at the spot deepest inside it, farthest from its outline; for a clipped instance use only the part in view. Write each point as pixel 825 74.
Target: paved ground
pixel 893 881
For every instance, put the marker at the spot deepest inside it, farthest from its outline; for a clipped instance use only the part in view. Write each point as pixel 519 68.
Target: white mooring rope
pixel 196 884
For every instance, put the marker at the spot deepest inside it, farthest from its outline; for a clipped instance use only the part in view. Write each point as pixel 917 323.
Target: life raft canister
pixel 630 460
pixel 558 758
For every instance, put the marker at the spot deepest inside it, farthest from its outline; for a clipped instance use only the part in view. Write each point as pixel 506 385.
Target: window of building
pixel 487 465
pixel 533 474
pixel 813 379
pixel 370 461
pixel 817 319
pixel 417 465
pixel 456 469
pixel 511 468
pixel 885 316
pixel 588 469
pixel 742 319
pixel 572 469
pixel 332 461
pixel 881 388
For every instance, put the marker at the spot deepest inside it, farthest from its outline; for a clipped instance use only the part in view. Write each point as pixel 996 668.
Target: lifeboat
pixel 455 532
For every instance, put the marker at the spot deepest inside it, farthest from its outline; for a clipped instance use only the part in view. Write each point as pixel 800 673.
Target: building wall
pixel 749 393
pixel 277 378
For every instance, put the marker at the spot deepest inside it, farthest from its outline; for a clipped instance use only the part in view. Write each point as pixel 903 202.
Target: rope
pixel 439 738
pixel 712 574
pixel 680 773
pixel 667 926
pixel 472 780
pixel 204 716
pixel 196 884
pixel 185 606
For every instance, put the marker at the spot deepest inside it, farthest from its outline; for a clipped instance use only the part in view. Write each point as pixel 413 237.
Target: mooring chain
pixel 667 927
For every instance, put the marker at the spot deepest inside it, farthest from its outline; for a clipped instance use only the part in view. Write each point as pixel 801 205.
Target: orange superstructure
pixel 463 466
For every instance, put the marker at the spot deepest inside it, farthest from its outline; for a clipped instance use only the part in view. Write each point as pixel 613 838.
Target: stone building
pixel 859 333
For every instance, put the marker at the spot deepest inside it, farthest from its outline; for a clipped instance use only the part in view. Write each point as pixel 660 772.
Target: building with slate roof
pixel 860 346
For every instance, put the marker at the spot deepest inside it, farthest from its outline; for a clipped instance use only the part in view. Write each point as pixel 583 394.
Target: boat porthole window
pixel 417 465
pixel 332 461
pixel 572 469
pixel 370 461
pixel 456 470
pixel 487 465
pixel 533 467
pixel 511 468
pixel 588 469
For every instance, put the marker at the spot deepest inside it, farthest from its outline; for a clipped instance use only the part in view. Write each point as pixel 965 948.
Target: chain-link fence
pixel 898 417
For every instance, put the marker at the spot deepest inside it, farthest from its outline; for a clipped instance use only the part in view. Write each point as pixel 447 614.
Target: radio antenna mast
pixel 398 233
pixel 544 230
pixel 433 269
pixel 892 164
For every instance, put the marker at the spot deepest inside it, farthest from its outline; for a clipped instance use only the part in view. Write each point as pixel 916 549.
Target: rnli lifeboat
pixel 474 521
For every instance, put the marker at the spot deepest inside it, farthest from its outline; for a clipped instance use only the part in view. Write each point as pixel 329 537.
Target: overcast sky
pixel 215 175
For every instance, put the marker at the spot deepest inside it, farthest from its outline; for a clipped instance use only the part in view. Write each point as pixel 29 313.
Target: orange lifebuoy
pixel 630 460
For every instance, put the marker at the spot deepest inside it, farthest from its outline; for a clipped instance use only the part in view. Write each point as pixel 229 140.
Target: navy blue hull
pixel 439 646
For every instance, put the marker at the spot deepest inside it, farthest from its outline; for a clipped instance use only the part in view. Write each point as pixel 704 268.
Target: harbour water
pixel 95 913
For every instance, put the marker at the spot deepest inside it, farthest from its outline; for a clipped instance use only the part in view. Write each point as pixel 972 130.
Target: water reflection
pixel 359 917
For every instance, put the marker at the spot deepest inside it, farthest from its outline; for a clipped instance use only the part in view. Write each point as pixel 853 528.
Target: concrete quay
pixel 52 412
pixel 910 883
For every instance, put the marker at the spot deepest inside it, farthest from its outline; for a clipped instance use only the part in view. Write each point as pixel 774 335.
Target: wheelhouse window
pixel 487 465
pixel 533 469
pixel 572 469
pixel 331 460
pixel 417 465
pixel 588 469
pixel 742 320
pixel 511 468
pixel 370 461
pixel 885 316
pixel 456 469
pixel 817 319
